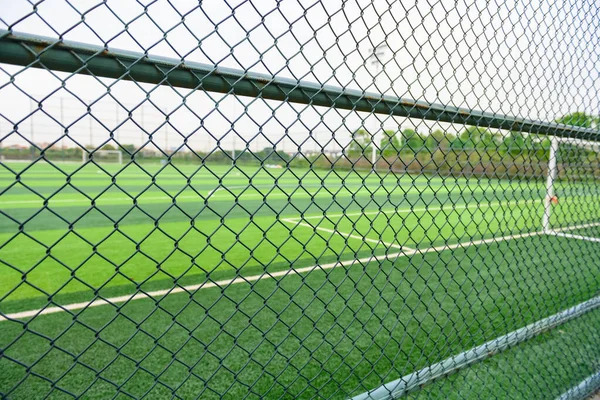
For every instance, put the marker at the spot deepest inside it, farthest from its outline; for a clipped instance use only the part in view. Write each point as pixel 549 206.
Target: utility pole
pixel 91 130
pixel 1 155
pixel 377 54
pixel 167 133
pixel 116 136
pixel 234 101
pixel 142 123
pixel 62 123
pixel 32 145
pixel 84 151
pixel 233 151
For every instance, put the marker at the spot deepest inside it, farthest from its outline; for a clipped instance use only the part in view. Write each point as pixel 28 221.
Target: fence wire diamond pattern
pixel 299 199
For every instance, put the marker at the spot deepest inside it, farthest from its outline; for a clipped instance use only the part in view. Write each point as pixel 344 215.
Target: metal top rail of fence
pixel 346 199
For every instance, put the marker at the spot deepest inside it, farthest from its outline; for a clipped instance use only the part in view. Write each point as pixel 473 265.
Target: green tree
pixel 437 139
pixel 475 138
pixel 578 118
pixel 390 144
pixel 130 148
pixel 360 144
pixel 514 143
pixel 413 140
pixel 572 153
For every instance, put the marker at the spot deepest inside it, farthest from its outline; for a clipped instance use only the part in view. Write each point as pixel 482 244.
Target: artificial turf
pixel 109 230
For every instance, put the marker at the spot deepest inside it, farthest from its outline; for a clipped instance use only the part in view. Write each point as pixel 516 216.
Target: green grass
pixel 333 332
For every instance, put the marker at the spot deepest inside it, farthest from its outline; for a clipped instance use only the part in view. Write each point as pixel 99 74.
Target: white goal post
pixel 579 159
pixel 549 195
pixel 95 155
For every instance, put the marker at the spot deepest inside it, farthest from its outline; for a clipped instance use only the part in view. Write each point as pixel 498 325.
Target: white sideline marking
pixel 227 196
pixel 252 278
pixel 347 235
pixel 422 209
pixel 145 198
pixel 226 282
pixel 252 195
pixel 235 187
pixel 159 293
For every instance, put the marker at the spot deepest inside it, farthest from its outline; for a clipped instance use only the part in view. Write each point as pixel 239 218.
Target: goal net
pixel 103 156
pixel 572 190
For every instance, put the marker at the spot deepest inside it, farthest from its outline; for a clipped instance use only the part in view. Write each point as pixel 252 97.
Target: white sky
pixel 535 59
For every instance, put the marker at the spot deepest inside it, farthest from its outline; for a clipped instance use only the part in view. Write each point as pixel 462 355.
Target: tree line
pixel 472 138
pixel 475 150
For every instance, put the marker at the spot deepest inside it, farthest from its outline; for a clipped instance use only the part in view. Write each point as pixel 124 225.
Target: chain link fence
pixel 299 199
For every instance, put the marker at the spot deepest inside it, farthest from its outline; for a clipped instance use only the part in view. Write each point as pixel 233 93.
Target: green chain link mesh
pixel 299 199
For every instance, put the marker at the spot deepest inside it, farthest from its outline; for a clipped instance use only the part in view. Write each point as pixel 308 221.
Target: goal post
pixel 551 177
pixel 573 179
pixel 104 156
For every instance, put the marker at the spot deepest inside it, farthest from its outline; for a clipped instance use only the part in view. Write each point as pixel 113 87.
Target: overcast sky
pixel 534 59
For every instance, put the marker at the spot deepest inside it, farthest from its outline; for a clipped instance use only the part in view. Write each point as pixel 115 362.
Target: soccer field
pixel 227 280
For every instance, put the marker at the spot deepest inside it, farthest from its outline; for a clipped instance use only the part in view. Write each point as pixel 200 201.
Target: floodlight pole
pixel 91 130
pixel 233 151
pixel 233 108
pixel 552 172
pixel 116 136
pixel 376 54
pixel 31 106
pixel 62 123
pixel 143 131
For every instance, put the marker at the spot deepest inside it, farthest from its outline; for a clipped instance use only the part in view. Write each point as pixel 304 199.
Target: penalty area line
pixel 480 242
pixel 344 234
pixel 253 278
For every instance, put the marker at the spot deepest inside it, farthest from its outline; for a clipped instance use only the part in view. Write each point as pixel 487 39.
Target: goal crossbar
pixel 86 156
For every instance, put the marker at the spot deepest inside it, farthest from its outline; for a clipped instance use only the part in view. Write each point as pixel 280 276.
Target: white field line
pixel 85 201
pixel 574 227
pixel 344 234
pixel 191 288
pixel 479 242
pixel 260 196
pixel 296 221
pixel 159 293
pixel 422 209
pixel 225 196
pixel 215 190
pixel 139 199
pixel 579 237
pixel 145 198
pixel 248 279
